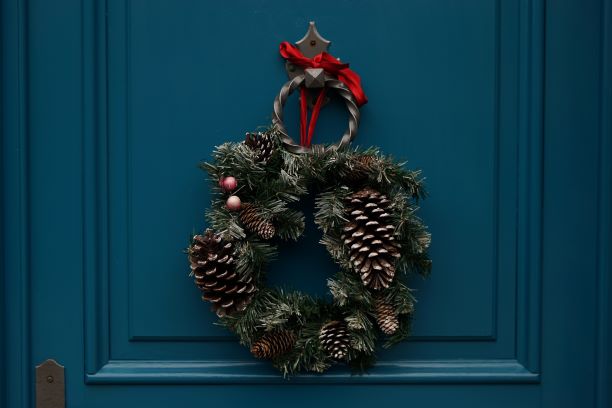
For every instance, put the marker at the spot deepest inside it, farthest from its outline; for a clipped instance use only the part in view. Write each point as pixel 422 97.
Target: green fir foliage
pixel 276 187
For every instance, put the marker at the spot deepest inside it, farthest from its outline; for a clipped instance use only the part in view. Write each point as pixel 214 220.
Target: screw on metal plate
pixel 310 45
pixel 50 389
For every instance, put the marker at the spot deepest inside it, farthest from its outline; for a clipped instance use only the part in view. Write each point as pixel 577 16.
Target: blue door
pixel 108 107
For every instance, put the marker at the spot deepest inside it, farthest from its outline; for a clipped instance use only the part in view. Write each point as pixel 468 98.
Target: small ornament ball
pixel 229 183
pixel 233 203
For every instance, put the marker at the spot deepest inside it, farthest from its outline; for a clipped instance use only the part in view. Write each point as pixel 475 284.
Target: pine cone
pixel 212 265
pixel 386 317
pixel 369 235
pixel 361 168
pixel 262 144
pixel 255 223
pixel 273 344
pixel 334 338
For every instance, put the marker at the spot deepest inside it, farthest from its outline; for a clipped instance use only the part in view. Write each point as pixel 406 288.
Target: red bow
pixel 330 65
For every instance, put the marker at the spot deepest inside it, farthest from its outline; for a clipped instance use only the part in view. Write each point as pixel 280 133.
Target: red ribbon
pixel 330 65
pixel 306 137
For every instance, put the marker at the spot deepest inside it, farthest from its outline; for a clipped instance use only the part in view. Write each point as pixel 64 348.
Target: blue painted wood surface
pixel 108 106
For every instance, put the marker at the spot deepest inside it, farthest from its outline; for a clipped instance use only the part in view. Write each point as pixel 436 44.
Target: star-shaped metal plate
pixel 310 45
pixel 313 43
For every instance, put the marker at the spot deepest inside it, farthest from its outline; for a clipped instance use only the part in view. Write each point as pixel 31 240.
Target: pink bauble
pixel 229 183
pixel 233 203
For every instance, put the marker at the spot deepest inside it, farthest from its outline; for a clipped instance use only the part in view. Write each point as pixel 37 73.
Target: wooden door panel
pixel 173 93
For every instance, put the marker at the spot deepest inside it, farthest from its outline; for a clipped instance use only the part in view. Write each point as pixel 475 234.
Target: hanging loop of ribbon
pixel 332 66
pixel 307 129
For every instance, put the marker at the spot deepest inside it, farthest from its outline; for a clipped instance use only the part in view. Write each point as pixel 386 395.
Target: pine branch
pixel 330 209
pixel 307 354
pixel 224 222
pixel 348 291
pixel 290 225
pixel 252 256
pixel 400 297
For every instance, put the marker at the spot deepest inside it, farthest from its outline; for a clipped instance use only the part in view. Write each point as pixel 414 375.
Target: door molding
pixel 16 389
pixel 604 276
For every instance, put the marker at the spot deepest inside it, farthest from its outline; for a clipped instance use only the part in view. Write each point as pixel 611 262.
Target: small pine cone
pixel 386 317
pixel 273 344
pixel 369 235
pixel 262 144
pixel 361 167
pixel 335 339
pixel 255 223
pixel 212 265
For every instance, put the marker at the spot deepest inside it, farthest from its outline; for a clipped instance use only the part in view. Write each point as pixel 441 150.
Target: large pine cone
pixel 256 223
pixel 369 235
pixel 386 317
pixel 273 344
pixel 335 339
pixel 212 265
pixel 262 144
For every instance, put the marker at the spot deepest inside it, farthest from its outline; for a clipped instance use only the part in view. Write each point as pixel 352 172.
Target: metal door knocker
pixel 310 67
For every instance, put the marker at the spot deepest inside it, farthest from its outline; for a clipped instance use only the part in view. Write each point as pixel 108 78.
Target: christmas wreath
pixel 365 208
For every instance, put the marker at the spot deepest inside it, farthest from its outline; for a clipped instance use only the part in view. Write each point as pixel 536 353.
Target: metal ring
pixel 341 89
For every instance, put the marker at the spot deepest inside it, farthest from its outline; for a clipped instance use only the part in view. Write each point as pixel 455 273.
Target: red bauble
pixel 229 183
pixel 233 203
